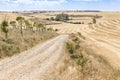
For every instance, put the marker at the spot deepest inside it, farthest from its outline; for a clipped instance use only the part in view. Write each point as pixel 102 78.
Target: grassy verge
pixel 81 63
pixel 16 44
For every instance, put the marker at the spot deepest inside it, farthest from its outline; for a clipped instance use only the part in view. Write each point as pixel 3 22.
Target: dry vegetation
pixel 20 36
pixel 82 63
pixel 14 45
pixel 101 45
pixel 93 54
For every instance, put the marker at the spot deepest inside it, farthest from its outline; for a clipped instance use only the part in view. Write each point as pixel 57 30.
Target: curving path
pixel 34 63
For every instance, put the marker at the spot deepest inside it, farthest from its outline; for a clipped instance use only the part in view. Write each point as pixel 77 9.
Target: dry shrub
pixel 16 44
pixel 83 64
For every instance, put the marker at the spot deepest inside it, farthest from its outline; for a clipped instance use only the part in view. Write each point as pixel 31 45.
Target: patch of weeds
pixel 117 75
pixel 80 35
pixel 6 48
pixel 70 46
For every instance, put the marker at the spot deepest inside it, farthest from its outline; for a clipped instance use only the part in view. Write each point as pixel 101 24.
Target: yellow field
pixel 101 40
pixel 103 36
pixel 10 16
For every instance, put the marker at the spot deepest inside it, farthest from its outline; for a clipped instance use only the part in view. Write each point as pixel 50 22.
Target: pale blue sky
pixel 109 5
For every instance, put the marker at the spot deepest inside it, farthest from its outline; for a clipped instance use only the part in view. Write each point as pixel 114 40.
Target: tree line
pixel 59 17
pixel 22 24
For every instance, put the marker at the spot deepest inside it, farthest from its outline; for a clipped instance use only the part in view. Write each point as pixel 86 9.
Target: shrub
pixel 94 21
pixel 56 29
pixel 75 39
pixel 47 19
pixel 4 28
pixel 50 29
pixel 77 46
pixel 6 48
pixel 82 22
pixel 82 61
pixel 80 35
pixel 52 19
pixel 71 47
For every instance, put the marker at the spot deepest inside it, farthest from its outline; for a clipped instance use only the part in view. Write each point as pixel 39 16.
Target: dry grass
pixel 10 16
pixel 95 68
pixel 16 44
pixel 104 37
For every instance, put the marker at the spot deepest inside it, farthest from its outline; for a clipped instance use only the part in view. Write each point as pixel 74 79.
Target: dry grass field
pixel 13 44
pixel 101 44
pixel 10 16
pixel 103 38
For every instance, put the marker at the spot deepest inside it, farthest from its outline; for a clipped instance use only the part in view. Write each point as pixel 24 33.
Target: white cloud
pixel 5 0
pixel 86 0
pixel 30 4
pixel 47 2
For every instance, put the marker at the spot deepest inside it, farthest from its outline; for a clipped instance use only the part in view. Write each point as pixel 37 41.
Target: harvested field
pixel 102 41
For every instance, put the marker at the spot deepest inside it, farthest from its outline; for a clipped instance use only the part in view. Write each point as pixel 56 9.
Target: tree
pixel 27 23
pixel 35 25
pixel 4 28
pixel 50 29
pixel 39 26
pixel 62 17
pixel 31 24
pixel 20 21
pixel 43 29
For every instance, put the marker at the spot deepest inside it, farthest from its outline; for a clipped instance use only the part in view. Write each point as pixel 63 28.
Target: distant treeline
pixel 95 16
pixel 90 11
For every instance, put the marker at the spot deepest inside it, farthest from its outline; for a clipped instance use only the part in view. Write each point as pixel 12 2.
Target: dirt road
pixel 34 63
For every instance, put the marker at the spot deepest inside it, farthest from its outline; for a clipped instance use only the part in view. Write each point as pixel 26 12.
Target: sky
pixel 20 5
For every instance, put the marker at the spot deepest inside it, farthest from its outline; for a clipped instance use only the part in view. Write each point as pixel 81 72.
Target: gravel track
pixel 33 64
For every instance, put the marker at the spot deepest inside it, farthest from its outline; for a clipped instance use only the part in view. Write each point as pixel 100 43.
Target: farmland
pixel 101 42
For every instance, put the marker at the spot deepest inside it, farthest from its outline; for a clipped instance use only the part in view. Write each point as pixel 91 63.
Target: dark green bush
pixel 62 17
pixel 71 47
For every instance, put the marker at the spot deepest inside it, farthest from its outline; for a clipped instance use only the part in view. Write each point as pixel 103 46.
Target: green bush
pixel 71 47
pixel 4 27
pixel 6 48
pixel 82 60
pixel 62 17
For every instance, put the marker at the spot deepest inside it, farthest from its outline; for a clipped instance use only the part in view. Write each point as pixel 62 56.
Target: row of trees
pixel 21 23
pixel 60 17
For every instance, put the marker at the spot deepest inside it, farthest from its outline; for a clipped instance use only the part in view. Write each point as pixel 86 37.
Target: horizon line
pixel 61 10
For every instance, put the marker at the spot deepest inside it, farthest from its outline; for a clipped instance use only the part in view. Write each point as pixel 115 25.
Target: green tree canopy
pixel 62 17
pixel 12 23
pixel 4 28
pixel 20 21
